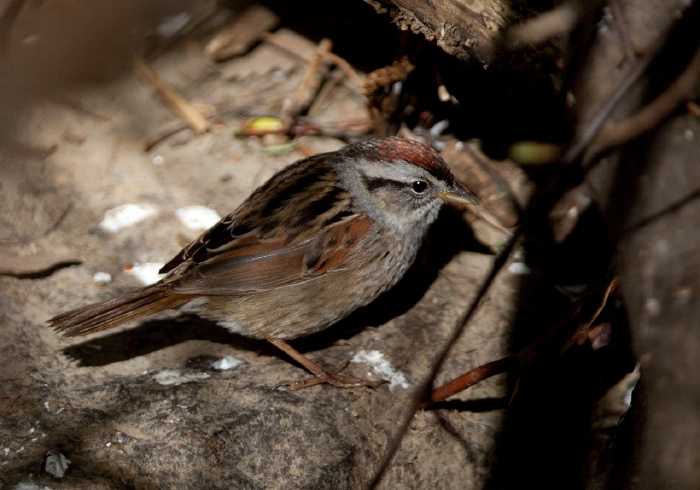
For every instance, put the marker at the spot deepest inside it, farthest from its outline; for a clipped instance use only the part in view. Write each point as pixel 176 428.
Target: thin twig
pixel 302 98
pixel 184 107
pixel 483 214
pixel 495 176
pixel 621 26
pixel 116 143
pixel 682 89
pixel 333 81
pixel 591 129
pixel 508 363
pixel 345 66
pixel 473 377
pixel 150 142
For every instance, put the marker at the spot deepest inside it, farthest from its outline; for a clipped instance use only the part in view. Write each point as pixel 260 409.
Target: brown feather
pixel 250 265
pixel 127 308
pixel 234 273
pixel 332 250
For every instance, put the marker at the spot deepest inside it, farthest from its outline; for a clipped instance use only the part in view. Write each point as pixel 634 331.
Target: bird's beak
pixel 458 195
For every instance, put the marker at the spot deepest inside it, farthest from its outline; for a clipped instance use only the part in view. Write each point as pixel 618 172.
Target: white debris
pixel 226 363
pixel 630 382
pixel 652 306
pixel 126 215
pixel 383 368
pixel 102 277
pixel 197 217
pixel 145 273
pixel 30 486
pixel 177 377
pixel 518 268
pixel 56 463
pixel 31 39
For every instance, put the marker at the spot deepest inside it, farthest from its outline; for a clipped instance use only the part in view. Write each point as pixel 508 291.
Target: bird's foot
pixel 334 379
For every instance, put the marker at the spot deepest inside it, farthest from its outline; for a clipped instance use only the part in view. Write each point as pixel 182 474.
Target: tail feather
pixel 127 308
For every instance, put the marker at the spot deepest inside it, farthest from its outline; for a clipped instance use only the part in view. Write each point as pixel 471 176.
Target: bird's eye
pixel 419 186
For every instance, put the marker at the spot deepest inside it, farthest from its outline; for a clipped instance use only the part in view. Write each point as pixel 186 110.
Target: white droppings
pixel 652 306
pixel 6 451
pixel 383 368
pixel 46 406
pixel 177 377
pixel 31 39
pixel 519 254
pixel 439 127
pixel 147 273
pixel 102 277
pixel 518 268
pixel 29 486
pixel 125 216
pixel 226 363
pixel 662 247
pixel 631 380
pixel 56 463
pixel 197 217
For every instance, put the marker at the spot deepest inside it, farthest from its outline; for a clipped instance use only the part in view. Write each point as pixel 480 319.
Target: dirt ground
pixel 142 407
pixel 103 179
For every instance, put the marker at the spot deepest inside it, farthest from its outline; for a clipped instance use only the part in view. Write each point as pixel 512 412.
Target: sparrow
pixel 320 239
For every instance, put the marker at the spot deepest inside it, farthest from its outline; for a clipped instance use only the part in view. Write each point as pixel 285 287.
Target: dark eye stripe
pixel 417 186
pixel 374 183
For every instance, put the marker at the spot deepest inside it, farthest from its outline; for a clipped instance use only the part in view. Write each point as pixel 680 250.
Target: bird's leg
pixel 320 374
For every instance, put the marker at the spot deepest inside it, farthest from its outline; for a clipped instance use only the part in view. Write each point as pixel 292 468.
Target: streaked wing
pixel 296 226
pixel 262 265
pixel 331 250
pixel 249 269
pixel 295 205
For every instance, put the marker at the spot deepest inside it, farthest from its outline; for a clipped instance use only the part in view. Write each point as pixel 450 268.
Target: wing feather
pixel 255 265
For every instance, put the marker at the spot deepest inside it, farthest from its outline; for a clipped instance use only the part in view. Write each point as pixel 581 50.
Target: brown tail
pixel 129 307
